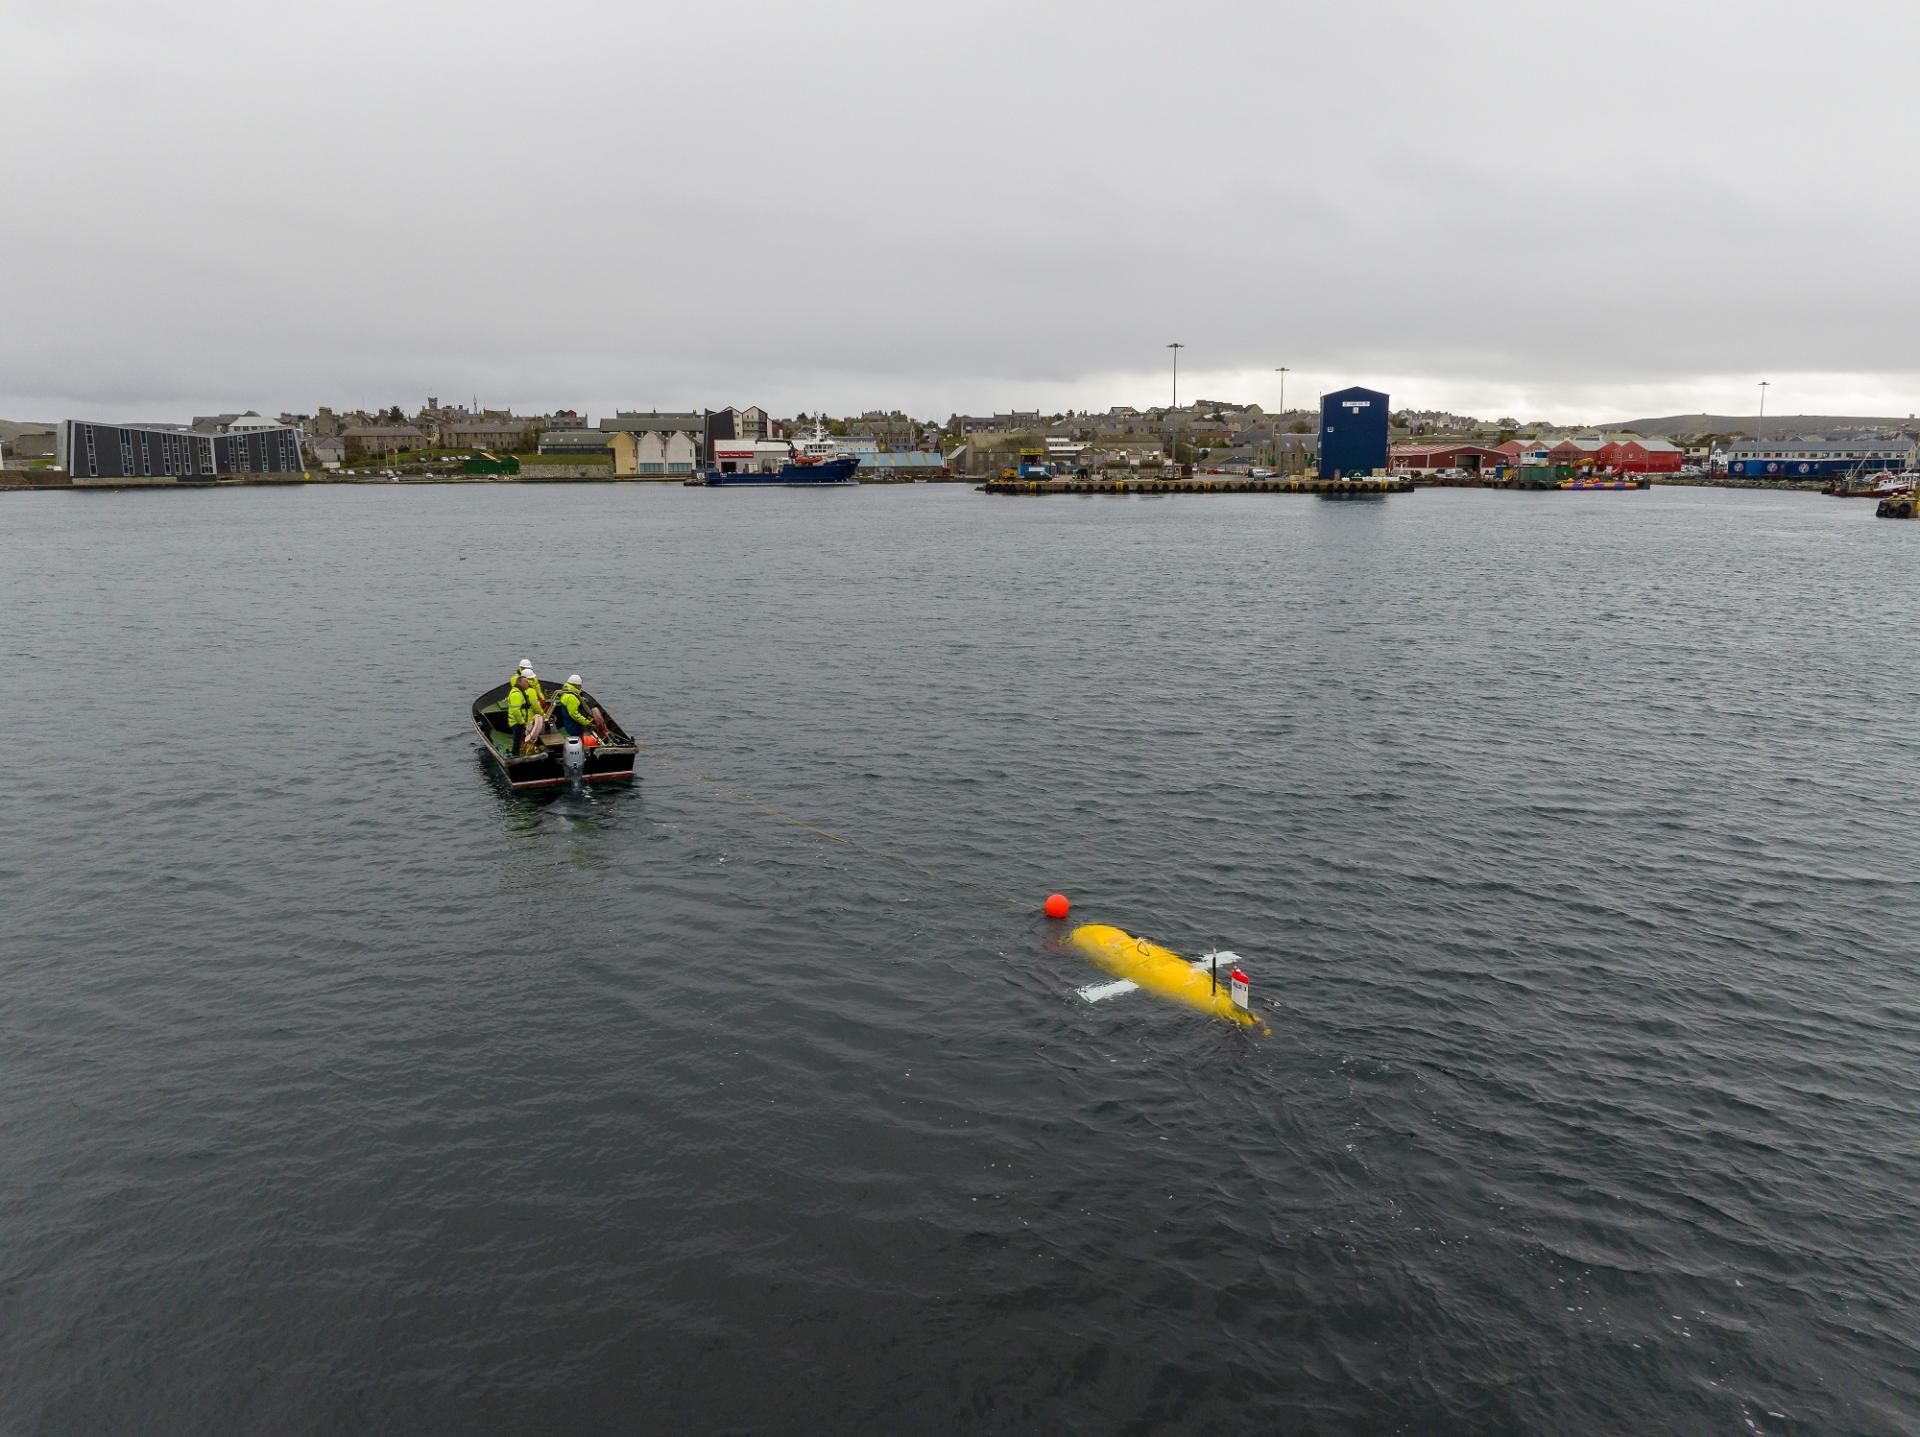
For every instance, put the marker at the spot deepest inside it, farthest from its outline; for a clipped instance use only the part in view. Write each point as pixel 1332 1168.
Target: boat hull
pixel 827 474
pixel 608 762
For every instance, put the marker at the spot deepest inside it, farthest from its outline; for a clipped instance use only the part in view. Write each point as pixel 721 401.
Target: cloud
pixel 945 206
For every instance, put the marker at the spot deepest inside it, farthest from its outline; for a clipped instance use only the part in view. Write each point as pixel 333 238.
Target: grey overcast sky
pixel 1559 210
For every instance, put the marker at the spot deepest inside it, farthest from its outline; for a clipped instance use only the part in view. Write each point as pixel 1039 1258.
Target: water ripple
pixel 345 1090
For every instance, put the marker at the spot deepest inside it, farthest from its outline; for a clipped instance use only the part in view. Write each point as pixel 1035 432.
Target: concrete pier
pixel 1504 480
pixel 1209 484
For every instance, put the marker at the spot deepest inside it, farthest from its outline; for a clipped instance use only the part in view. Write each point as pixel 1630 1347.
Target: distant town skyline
pixel 1791 395
pixel 1572 214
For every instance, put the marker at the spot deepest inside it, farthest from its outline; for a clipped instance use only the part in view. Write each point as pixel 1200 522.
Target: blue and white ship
pixel 813 463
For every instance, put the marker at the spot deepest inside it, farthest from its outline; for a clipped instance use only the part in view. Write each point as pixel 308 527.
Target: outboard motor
pixel 573 758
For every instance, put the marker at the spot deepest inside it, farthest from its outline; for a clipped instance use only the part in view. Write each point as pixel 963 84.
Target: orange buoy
pixel 1056 905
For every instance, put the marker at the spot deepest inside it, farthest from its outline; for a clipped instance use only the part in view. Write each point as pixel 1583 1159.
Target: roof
pixel 382 431
pixel 486 426
pixel 598 438
pixel 159 425
pixel 1413 450
pixel 1889 447
pixel 655 423
pixel 907 459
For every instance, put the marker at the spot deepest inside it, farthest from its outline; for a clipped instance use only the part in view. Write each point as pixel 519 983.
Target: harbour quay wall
pixel 587 469
pixel 34 479
pixel 1735 481
pixel 1331 488
pixel 541 474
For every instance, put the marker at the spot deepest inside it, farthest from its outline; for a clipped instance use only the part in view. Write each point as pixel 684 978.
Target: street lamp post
pixel 1176 348
pixel 1282 372
pixel 1760 426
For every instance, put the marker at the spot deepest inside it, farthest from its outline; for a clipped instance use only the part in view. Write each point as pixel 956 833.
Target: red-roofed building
pixel 1522 452
pixel 1426 458
pixel 1574 451
pixel 1641 456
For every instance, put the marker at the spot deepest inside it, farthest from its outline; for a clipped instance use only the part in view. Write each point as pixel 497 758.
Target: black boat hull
pixel 820 474
pixel 607 762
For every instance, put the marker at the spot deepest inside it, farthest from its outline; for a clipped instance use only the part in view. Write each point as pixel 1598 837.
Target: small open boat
pixel 546 767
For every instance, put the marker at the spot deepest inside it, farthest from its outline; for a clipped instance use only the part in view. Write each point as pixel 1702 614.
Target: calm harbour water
pixel 1571 836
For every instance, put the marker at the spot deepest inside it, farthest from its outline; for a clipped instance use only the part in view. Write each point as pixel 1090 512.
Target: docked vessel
pixel 1033 465
pixel 548 765
pixel 1879 486
pixel 813 463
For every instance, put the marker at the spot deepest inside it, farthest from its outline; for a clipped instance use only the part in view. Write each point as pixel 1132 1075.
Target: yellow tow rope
pixel 815 829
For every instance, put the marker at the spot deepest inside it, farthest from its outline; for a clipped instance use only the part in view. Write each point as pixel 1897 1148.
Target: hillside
pixel 1780 425
pixel 10 428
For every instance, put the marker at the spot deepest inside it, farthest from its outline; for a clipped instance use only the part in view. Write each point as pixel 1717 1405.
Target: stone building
pixel 364 440
pixel 495 434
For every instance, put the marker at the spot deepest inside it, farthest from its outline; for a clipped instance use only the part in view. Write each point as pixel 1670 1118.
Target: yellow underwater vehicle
pixel 1136 963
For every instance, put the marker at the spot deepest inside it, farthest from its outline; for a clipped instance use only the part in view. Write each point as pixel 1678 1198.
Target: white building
pixel 673 452
pixel 750 456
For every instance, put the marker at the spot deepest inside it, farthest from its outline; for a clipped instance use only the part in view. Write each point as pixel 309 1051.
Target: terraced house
pixel 664 444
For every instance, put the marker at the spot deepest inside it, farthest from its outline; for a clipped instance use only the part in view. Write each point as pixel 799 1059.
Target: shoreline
pixel 32 482
pixel 12 480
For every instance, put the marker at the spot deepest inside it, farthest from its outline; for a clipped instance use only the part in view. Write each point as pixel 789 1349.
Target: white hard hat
pixel 574 679
pixel 526 663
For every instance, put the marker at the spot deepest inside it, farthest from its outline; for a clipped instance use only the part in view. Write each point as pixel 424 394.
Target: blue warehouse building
pixel 1817 458
pixel 1353 433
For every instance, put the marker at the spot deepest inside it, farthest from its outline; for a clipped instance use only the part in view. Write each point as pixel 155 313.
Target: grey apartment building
pixel 87 450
